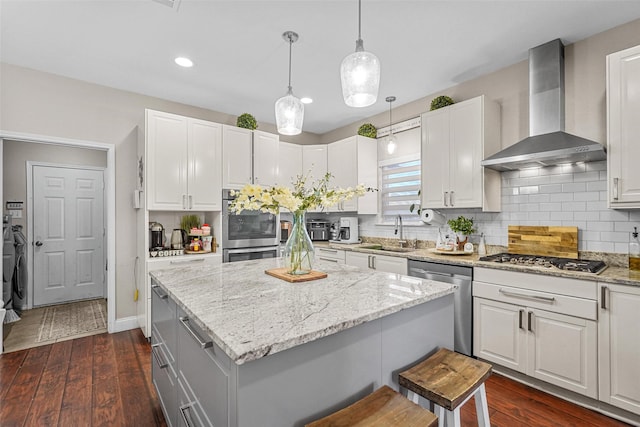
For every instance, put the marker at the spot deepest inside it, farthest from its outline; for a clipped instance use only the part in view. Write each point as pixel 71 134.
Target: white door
pixel 68 234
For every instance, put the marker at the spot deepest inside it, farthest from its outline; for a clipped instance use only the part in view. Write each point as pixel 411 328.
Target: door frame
pixel 31 225
pixel 110 202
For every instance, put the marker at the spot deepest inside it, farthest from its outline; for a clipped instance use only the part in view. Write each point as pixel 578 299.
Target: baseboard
pixel 125 324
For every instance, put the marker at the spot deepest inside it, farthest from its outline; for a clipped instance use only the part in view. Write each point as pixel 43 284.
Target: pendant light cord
pixel 359 19
pixel 290 45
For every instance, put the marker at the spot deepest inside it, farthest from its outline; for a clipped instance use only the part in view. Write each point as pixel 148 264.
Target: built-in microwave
pixel 247 229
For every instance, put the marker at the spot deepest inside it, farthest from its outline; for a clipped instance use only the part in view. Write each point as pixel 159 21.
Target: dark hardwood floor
pixel 105 380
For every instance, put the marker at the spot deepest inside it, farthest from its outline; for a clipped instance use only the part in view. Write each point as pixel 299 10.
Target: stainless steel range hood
pixel 548 143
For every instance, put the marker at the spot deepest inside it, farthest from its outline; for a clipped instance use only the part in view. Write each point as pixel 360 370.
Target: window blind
pixel 400 184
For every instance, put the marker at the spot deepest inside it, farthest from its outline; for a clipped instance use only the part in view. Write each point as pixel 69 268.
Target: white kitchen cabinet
pixel 248 157
pixel 527 328
pixel 314 161
pixel 623 128
pixel 619 346
pixel 455 139
pixel 330 254
pixel 354 161
pixel 289 163
pixel 237 166
pixel 184 156
pixel 389 264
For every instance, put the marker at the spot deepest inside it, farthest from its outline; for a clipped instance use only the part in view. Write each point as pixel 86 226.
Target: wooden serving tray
pixel 281 273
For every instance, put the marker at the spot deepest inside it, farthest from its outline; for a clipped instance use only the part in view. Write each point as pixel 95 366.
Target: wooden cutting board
pixel 547 241
pixel 281 273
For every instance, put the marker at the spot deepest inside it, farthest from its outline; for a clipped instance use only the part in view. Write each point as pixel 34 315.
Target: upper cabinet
pixel 183 163
pixel 248 157
pixel 289 163
pixel 314 162
pixel 455 139
pixel 354 161
pixel 623 128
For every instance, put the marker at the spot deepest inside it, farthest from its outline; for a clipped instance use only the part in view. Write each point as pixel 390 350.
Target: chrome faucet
pixel 398 226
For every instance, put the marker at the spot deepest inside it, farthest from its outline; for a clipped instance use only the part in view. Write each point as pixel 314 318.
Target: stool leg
pixel 482 409
pixel 441 413
pixel 412 396
pixel 453 418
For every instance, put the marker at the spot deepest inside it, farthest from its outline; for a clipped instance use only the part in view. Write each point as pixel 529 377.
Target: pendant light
pixel 289 109
pixel 391 142
pixel 360 74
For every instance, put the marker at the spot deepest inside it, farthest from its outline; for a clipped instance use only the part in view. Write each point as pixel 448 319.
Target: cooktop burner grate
pixel 568 264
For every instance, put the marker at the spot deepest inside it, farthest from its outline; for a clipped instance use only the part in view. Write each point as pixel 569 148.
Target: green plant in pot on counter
pixel 368 130
pixel 187 222
pixel 247 121
pixel 463 227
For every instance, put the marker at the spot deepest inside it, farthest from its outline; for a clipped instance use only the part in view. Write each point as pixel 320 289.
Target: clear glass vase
pixel 298 251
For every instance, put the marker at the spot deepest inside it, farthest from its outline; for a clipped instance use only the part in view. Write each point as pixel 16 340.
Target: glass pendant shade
pixel 360 76
pixel 289 114
pixel 392 144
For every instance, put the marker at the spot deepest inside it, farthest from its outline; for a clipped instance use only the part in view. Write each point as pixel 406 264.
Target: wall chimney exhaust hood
pixel 548 143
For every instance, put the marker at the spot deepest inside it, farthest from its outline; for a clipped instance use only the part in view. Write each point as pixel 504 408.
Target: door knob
pixel 38 243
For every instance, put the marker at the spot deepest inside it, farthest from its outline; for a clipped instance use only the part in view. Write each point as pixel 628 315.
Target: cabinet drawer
pixel 183 261
pixel 562 304
pixel 538 282
pixel 163 315
pixel 207 370
pixel 330 254
pixel 165 382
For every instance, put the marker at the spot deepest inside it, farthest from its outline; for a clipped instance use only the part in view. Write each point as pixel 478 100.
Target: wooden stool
pixel 382 408
pixel 448 380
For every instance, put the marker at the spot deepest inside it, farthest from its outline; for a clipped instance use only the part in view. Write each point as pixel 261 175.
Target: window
pixel 399 187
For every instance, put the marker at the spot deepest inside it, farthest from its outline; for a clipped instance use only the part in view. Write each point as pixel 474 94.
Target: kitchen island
pixel 273 353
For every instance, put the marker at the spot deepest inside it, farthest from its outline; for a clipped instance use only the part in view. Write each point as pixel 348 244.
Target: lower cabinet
pixel 187 367
pixel 331 255
pixel 389 264
pixel 619 346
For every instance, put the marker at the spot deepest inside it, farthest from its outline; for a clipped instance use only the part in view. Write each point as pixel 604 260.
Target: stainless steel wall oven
pixel 249 234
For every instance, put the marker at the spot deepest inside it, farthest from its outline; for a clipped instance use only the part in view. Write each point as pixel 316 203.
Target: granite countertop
pixel 250 314
pixel 613 275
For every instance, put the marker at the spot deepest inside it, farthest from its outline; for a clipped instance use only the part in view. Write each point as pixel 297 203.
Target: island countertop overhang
pixel 250 314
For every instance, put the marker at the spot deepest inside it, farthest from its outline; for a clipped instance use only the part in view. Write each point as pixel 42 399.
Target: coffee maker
pixel 156 236
pixel 349 229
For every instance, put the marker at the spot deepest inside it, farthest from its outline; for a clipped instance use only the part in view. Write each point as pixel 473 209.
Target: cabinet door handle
pixel 156 355
pixel 158 291
pixel 184 201
pixel 615 188
pixel 520 313
pixel 185 411
pixel 328 259
pixel 373 262
pixel 451 198
pixel 190 201
pixel 603 297
pixel 530 321
pixel 333 251
pixel 446 194
pixel 526 296
pixel 186 261
pixel 202 343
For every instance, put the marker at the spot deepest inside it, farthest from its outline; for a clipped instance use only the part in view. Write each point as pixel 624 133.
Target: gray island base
pixel 233 346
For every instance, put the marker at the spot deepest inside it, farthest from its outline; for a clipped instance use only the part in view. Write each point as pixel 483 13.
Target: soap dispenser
pixel 634 251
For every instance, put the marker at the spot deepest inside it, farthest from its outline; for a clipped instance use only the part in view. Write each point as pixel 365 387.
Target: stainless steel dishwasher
pixel 462 302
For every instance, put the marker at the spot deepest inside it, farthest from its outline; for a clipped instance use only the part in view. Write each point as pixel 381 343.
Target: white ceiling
pixel 241 60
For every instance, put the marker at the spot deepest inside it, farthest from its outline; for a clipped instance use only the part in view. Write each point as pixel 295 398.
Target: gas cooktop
pixel 568 264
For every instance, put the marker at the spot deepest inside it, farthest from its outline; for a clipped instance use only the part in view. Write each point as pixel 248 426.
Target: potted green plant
pixel 368 130
pixel 463 227
pixel 441 101
pixel 187 222
pixel 247 121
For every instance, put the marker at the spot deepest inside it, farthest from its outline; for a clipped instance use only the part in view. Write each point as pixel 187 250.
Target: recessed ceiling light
pixel 306 100
pixel 184 62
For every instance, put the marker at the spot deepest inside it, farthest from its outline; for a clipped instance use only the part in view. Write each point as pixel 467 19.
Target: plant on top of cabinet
pixel 368 130
pixel 247 121
pixel 441 101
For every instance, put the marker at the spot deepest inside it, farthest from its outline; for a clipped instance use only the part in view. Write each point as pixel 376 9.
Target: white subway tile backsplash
pixel 538 198
pixel 561 216
pixel 586 176
pixel 551 188
pixel 530 189
pixel 574 206
pixel 596 166
pixel 529 172
pixel 600 246
pixel 597 186
pixel 539 216
pixel 621 248
pixel 597 206
pixel 612 236
pixel 586 216
pixel 550 207
pixel 614 215
pixel 599 226
pixel 529 207
pixel 589 235
pixel 561 197
pixel 574 187
pixel 586 196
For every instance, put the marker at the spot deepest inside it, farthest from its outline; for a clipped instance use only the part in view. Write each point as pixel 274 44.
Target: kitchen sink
pixel 396 249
